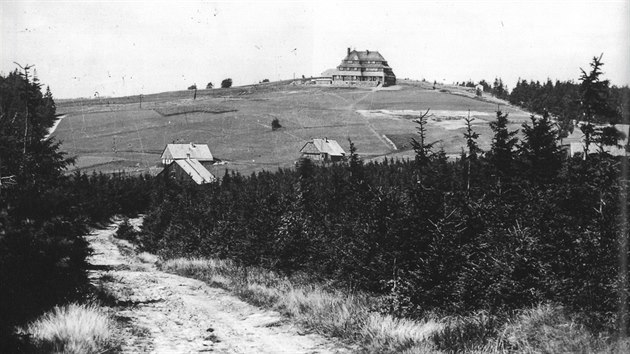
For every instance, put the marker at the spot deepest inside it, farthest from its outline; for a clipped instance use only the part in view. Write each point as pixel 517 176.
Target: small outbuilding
pixel 323 150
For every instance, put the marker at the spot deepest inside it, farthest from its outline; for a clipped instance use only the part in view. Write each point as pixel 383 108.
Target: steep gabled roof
pixel 328 146
pixel 309 148
pixel 199 152
pixel 196 171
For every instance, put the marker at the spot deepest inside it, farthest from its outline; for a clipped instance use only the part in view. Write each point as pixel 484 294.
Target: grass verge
pixel 73 328
pixel 352 317
pixel 325 311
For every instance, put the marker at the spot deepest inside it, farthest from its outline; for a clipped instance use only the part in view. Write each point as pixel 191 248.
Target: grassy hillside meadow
pixel 129 133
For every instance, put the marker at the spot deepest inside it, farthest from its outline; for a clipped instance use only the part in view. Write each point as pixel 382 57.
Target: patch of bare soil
pixel 165 313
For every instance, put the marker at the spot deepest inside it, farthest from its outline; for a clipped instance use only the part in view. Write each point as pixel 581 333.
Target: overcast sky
pixel 119 48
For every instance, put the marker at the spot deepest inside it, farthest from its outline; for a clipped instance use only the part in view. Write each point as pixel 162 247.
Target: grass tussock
pixel 72 328
pixel 545 328
pixel 325 311
pixel 548 329
pixel 542 329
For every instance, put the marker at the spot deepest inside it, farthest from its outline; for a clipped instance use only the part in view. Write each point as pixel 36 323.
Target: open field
pixel 129 133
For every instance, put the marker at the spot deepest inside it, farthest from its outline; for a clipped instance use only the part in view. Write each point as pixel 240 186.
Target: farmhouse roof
pixel 199 152
pixel 196 171
pixel 328 146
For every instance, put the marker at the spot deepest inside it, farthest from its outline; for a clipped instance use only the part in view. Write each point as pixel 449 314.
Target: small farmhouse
pixel 364 68
pixel 186 162
pixel 323 150
pixel 574 143
pixel 199 152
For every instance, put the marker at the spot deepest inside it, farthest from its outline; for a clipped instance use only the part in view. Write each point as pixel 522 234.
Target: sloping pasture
pixel 236 124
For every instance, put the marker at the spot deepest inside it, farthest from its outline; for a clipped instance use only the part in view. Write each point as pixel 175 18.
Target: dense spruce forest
pixel 498 230
pixel 43 212
pixel 563 100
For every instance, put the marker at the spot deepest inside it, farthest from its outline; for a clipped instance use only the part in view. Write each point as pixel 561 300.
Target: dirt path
pixel 368 124
pixel 166 313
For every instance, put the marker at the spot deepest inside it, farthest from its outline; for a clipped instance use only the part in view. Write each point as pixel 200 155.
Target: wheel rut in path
pixel 166 313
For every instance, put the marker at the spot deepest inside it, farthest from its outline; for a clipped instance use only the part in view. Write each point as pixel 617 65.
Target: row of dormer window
pixel 360 69
pixel 364 62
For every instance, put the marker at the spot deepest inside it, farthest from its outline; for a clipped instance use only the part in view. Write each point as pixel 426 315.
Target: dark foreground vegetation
pixel 496 231
pixel 44 213
pixel 448 236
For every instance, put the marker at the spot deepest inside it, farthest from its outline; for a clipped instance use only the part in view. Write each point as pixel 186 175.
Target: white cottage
pixel 323 150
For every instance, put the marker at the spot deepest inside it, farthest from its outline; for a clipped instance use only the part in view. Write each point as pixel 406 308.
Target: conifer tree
pixel 539 151
pixel 422 148
pixel 501 153
pixel 471 139
pixel 473 149
pixel 356 165
pixel 41 253
pixel 594 102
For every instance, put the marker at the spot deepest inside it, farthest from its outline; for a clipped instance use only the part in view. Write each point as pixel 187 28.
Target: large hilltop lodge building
pixel 363 68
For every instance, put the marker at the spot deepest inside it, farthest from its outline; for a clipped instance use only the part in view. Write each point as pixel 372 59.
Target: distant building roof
pixel 370 55
pixel 199 152
pixel 329 72
pixel 328 146
pixel 196 171
pixel 575 141
pixel 577 135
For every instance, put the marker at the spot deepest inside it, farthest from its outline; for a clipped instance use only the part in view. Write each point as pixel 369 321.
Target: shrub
pixel 227 83
pixel 275 124
pixel 126 231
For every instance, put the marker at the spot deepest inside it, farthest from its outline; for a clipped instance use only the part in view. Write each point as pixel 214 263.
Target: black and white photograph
pixel 314 177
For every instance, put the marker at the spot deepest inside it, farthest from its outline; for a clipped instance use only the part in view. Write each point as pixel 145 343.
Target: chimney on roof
pixel 348 50
pixel 326 138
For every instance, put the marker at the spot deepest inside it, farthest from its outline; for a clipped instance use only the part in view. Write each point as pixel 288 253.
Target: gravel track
pixel 160 312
